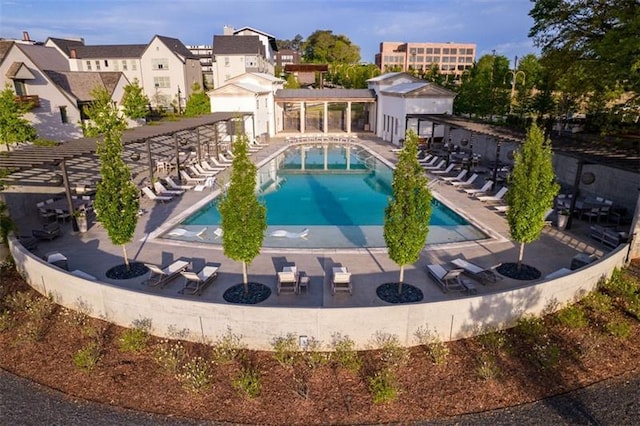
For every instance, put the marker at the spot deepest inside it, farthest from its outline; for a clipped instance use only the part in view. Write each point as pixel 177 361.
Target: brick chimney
pixel 25 36
pixel 72 54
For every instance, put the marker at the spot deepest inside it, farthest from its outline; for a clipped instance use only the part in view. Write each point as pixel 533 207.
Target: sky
pixel 500 25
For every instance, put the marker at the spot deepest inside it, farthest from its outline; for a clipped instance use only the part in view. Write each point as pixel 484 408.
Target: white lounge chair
pixel 181 232
pixel 457 178
pixel 196 282
pixel 218 164
pixel 161 190
pixel 558 273
pixel 206 166
pixel 196 171
pixel 281 233
pixel 218 233
pixel 485 276
pixel 159 277
pixel 450 280
pixel 174 185
pixel 431 162
pixel 288 280
pixel 467 182
pixel 437 166
pixel 152 196
pixel 225 159
pixel 197 180
pixel 445 171
pixel 493 198
pixel 341 280
pixel 485 188
pixel 426 159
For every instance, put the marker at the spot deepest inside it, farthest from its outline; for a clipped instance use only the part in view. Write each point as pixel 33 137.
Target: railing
pixel 33 100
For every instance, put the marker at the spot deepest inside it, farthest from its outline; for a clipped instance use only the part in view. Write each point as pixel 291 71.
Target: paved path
pixel 611 402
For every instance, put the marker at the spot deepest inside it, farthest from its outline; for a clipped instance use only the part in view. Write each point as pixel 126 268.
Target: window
pixel 420 50
pixel 63 114
pixel 161 82
pixel 428 59
pixel 97 65
pixel 436 50
pixel 134 65
pixel 445 51
pixel 445 59
pixel 469 51
pixel 226 61
pixel 469 60
pixel 160 64
pixel 453 51
pixel 257 103
pixel 21 90
pixel 115 66
pixel 106 63
pixel 413 51
pixel 88 65
pixel 429 51
pixel 124 65
pixel 396 125
pixel 420 59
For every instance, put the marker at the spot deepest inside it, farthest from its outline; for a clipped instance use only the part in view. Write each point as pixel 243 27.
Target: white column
pixel 325 118
pixel 348 117
pixel 326 156
pixel 348 157
pixel 303 113
pixel 302 157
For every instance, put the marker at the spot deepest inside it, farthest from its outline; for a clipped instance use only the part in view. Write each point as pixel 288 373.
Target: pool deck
pixel 93 253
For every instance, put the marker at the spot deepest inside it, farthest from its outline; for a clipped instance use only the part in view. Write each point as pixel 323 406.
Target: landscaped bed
pixel 95 360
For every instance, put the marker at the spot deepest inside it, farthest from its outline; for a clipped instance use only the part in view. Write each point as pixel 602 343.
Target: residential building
pixel 164 67
pixel 204 53
pixel 267 40
pixel 451 58
pixel 286 57
pixel 42 76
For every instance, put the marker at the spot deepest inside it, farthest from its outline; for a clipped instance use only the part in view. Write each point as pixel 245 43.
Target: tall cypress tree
pixel 116 200
pixel 532 188
pixel 244 218
pixel 406 221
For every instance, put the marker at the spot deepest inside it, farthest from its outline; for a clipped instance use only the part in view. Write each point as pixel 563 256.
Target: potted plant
pixel 81 220
pixel 563 218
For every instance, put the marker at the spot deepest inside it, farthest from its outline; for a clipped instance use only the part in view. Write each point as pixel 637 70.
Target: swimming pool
pixel 340 193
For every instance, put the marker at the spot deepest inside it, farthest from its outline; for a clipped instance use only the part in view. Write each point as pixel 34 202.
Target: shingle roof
pixel 45 58
pixel 66 45
pixel 80 84
pixel 177 47
pixel 290 94
pixel 5 46
pixel 237 45
pixel 110 51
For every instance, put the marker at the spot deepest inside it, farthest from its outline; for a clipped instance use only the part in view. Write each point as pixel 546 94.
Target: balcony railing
pixel 33 100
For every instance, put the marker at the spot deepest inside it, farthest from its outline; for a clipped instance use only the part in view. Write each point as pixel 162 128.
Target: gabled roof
pixel 235 88
pixel 176 46
pixel 257 75
pixel 422 89
pixel 391 76
pixel 324 94
pixel 237 45
pixel 80 83
pixel 45 58
pixel 19 71
pixel 65 45
pixel 110 51
pixel 5 46
pixel 272 39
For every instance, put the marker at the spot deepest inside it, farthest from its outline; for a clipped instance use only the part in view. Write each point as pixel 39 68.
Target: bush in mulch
pixel 525 272
pixel 389 293
pixel 121 272
pixel 257 293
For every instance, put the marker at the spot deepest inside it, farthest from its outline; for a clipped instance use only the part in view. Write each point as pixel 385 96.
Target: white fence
pixel 258 326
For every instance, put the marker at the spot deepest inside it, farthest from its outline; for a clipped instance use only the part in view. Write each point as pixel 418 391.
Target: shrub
pixel 227 348
pixel 7 321
pixel 87 357
pixel 572 316
pixel 530 328
pixel 392 353
pixel 313 355
pixel 620 284
pixel 487 368
pixel 248 382
pixel 170 355
pixel 383 386
pixel 195 375
pixel 435 348
pixel 135 339
pixel 545 354
pixel 285 349
pixel 598 302
pixel 493 341
pixel 344 353
pixel 618 328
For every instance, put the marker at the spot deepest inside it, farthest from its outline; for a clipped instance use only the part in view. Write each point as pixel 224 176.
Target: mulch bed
pixel 121 272
pixel 525 272
pixel 389 293
pixel 257 293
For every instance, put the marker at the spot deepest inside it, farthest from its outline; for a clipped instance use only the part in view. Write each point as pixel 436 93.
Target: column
pixel 303 117
pixel 348 117
pixel 302 157
pixel 348 157
pixel 325 118
pixel 326 156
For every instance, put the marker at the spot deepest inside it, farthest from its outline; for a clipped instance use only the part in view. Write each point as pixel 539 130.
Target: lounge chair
pixel 196 282
pixel 281 233
pixel 445 171
pixel 181 232
pixel 208 167
pixel 197 180
pixel 430 162
pixel 450 280
pixel 341 280
pixel 558 273
pixel 493 198
pixel 218 233
pixel 437 166
pixel 174 185
pixel 288 280
pixel 48 232
pixel 225 159
pixel 152 196
pixel 426 159
pixel 485 276
pixel 161 190
pixel 457 178
pixel 216 163
pixel 195 171
pixel 159 277
pixel 484 189
pixel 57 259
pixel 467 182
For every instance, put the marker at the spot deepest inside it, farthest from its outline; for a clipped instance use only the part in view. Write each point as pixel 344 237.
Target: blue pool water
pixel 340 193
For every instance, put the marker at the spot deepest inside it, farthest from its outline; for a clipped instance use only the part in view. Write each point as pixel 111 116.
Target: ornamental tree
pixel 14 128
pixel 198 103
pixel 244 218
pixel 116 202
pixel 406 221
pixel 135 103
pixel 532 188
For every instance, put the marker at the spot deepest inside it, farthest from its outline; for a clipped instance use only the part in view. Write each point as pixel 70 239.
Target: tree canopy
pixel 325 47
pixel 243 216
pixel 406 221
pixel 198 103
pixel 532 188
pixel 14 128
pixel 134 102
pixel 116 202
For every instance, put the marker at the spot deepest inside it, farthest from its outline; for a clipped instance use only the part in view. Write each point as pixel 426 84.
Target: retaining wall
pixel 258 326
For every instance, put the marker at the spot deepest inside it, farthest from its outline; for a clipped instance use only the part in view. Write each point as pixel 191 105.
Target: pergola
pixel 75 161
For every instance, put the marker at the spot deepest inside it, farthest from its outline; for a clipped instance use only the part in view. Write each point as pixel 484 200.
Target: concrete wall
pixel 451 320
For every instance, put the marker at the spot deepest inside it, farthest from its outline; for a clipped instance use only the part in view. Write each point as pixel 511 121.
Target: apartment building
pixel 451 58
pixel 204 53
pixel 286 57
